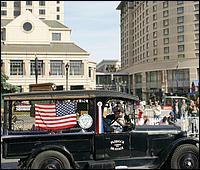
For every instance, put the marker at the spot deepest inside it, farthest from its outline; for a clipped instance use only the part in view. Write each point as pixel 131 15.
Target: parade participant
pixel 184 109
pixel 156 111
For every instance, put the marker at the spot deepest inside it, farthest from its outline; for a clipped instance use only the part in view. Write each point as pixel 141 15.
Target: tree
pixel 7 87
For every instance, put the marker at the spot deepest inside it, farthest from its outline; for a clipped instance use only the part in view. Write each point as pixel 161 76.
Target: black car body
pixel 151 146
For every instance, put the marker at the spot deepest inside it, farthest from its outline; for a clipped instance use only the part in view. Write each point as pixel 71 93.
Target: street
pixel 8 164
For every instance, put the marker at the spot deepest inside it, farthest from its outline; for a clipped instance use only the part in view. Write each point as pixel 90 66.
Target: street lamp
pixel 67 68
pixel 177 78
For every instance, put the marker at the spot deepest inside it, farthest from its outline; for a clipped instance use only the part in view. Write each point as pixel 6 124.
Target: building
pixel 48 10
pixel 60 61
pixel 109 77
pixel 109 66
pixel 160 45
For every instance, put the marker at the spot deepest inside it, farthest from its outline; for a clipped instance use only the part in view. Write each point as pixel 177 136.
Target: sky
pixel 95 27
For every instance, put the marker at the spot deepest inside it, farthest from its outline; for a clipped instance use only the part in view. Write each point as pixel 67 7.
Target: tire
pixel 50 160
pixel 185 156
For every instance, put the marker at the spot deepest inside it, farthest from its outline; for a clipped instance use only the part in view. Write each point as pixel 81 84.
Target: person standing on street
pixel 157 111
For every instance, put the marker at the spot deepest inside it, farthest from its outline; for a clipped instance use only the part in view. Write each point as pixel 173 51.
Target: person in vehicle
pixel 164 121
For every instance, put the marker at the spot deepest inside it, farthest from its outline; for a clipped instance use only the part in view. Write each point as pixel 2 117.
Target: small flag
pixel 55 116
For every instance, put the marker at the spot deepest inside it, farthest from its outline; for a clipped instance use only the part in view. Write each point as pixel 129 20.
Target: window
pixel 196 46
pixel 27 26
pixel 154 17
pixel 41 3
pixel 196 7
pixel 180 29
pixel 180 48
pixel 155 34
pixel 90 72
pixel 180 19
pixel 165 4
pixel 166 22
pixel 196 27
pixel 165 13
pixel 56 67
pixel 179 2
pixel 155 43
pixel 58 2
pixel 181 55
pixel 40 67
pixel 56 36
pixel 3 35
pixel 166 31
pixel 196 17
pixel 58 9
pixel 166 40
pixel 197 36
pixel 17 3
pixel 3 4
pixel 166 57
pixel 58 17
pixel 16 13
pixel 3 12
pixel 180 10
pixel 76 67
pixel 154 8
pixel 154 25
pixel 16 67
pixel 180 38
pixel 155 51
pixel 166 50
pixel 41 11
pixel 28 2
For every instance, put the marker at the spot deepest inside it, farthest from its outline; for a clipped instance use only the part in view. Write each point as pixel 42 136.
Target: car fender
pixel 58 148
pixel 165 155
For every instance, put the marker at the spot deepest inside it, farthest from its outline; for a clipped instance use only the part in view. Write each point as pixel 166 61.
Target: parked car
pixel 85 139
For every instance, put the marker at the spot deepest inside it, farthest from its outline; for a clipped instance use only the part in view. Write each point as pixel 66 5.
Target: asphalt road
pixel 9 163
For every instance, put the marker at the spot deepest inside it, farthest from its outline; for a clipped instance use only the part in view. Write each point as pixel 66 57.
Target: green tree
pixel 7 87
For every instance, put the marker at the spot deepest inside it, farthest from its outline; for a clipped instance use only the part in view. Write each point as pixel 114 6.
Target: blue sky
pixel 95 27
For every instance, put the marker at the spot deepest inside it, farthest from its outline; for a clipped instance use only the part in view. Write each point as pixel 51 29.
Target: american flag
pixel 55 116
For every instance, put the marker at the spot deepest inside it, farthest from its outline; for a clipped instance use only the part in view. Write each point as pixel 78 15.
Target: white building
pixel 49 10
pixel 26 37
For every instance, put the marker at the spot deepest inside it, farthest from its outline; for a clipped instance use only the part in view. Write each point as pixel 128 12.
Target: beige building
pixel 26 37
pixel 49 10
pixel 160 45
pixel 109 66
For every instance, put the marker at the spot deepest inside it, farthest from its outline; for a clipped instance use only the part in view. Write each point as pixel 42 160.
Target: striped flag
pixel 55 116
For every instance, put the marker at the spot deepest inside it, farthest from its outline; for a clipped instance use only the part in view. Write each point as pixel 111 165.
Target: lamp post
pixel 67 68
pixel 36 69
pixel 177 78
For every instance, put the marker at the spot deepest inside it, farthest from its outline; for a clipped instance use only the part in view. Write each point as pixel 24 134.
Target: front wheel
pixel 185 157
pixel 50 160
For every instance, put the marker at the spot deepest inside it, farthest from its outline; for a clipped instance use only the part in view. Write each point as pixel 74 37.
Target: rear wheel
pixel 50 160
pixel 185 157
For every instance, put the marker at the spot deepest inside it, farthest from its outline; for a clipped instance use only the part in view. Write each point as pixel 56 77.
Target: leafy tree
pixel 7 87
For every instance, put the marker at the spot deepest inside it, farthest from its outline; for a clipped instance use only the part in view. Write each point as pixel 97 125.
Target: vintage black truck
pixel 87 142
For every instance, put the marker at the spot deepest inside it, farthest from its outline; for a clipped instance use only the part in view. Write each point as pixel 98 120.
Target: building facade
pixel 109 66
pixel 110 77
pixel 26 37
pixel 160 45
pixel 48 10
